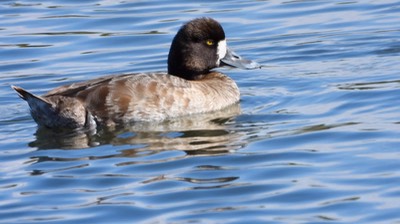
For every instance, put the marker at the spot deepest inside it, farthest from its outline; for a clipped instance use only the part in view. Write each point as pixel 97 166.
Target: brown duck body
pixel 189 87
pixel 150 97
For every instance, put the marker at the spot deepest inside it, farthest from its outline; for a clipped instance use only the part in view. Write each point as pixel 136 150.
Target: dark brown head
pixel 200 46
pixel 196 47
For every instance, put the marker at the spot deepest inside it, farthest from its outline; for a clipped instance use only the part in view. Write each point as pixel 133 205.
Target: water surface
pixel 315 139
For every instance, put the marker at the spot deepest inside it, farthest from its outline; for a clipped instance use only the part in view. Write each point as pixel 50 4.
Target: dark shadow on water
pixel 389 84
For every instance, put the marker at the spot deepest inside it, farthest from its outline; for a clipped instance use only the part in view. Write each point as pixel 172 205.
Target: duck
pixel 191 86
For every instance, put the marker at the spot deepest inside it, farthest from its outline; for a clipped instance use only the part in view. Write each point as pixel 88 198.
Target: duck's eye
pixel 210 42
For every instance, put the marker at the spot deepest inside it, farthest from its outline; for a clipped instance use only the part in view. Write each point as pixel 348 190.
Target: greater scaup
pixel 189 87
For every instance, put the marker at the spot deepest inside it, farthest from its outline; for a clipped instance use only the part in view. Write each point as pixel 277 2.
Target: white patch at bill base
pixel 221 50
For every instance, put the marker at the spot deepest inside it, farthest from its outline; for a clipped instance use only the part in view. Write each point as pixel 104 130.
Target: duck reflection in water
pixel 210 133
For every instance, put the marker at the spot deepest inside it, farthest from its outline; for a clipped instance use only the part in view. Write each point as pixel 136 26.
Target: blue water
pixel 317 139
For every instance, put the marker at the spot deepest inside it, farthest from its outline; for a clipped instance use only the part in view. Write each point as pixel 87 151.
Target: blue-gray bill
pixel 234 60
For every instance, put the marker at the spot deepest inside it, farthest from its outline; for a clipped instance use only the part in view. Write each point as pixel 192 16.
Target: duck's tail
pixel 35 102
pixel 42 110
pixel 57 111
